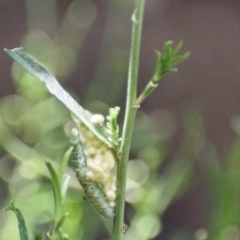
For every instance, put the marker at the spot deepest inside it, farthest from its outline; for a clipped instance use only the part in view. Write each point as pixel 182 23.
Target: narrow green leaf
pixel 168 52
pixel 113 127
pixel 41 73
pixel 60 223
pixel 64 163
pixel 21 222
pixel 171 70
pixel 56 189
pixel 179 59
pixel 186 55
pixel 177 48
pixel 167 44
pixel 158 67
pixel 164 65
pixel 64 186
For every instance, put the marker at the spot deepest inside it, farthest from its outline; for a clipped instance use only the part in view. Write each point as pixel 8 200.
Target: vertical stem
pixel 130 114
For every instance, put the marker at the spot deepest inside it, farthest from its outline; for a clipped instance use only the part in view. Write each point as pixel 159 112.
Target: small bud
pixel 112 204
pixel 111 195
pixel 97 118
pixel 89 174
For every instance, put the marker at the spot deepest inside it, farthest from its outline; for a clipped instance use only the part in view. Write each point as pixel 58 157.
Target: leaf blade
pixel 43 74
pixel 56 189
pixel 64 163
pixel 21 222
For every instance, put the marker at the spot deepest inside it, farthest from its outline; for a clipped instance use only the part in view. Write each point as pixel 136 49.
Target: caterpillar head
pixel 74 137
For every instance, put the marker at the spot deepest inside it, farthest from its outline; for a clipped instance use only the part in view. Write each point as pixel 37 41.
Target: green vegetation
pixel 34 134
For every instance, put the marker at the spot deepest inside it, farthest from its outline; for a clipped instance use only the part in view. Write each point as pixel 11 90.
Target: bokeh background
pixel 184 171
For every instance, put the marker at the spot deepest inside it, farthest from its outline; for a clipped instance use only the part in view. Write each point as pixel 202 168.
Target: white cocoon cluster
pixel 100 160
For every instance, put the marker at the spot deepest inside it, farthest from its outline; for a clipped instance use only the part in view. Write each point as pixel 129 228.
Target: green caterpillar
pixel 93 190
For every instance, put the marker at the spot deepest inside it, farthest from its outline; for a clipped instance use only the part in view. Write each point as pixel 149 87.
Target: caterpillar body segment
pixel 96 197
pixel 92 189
pixel 78 160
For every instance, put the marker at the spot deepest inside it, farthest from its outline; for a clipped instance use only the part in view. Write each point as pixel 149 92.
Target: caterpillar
pixel 93 190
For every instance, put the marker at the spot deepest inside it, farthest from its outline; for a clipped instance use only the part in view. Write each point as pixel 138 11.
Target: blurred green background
pixel 183 180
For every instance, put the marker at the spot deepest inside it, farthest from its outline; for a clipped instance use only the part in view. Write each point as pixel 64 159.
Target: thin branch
pixel 130 114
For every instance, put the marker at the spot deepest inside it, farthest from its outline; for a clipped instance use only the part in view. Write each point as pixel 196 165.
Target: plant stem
pixel 151 86
pixel 130 114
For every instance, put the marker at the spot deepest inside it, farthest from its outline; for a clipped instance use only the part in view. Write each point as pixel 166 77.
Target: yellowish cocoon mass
pixel 100 160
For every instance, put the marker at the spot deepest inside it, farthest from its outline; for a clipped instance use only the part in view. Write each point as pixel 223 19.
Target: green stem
pixel 130 114
pixel 151 86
